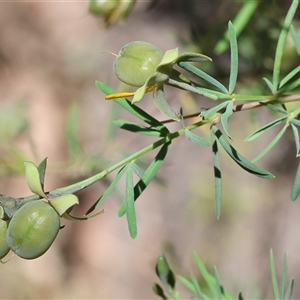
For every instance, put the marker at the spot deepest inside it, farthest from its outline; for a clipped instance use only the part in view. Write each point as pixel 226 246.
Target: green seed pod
pixel 4 249
pixel 103 8
pixel 32 229
pixel 137 61
pixel 111 11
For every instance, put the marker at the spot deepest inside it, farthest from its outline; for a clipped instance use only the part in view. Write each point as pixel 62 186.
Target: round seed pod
pixel 32 229
pixel 136 61
pixel 103 8
pixel 4 249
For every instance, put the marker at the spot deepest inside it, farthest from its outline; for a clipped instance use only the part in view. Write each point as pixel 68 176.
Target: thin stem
pixel 73 188
pixel 246 106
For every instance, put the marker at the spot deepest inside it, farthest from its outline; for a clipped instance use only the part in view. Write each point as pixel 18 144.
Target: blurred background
pixel 51 53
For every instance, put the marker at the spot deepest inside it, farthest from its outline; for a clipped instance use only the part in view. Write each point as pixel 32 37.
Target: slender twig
pixel 73 188
pixel 245 106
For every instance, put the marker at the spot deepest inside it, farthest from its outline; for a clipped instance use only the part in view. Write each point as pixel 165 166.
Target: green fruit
pixel 32 229
pixel 4 249
pixel 137 61
pixel 103 7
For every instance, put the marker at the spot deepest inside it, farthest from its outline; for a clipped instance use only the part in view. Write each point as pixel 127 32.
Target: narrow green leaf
pixel 151 170
pixel 197 288
pixel 209 279
pixel 148 175
pixel 193 57
pixel 133 127
pixel 164 273
pixel 201 74
pixel 226 116
pixel 238 158
pixel 108 191
pixel 271 145
pixel 162 104
pixel 42 170
pixel 269 84
pixel 273 276
pixel 296 38
pixel 157 289
pixel 243 16
pixel 187 283
pixel 296 185
pixel 197 139
pixel 289 292
pixel 200 89
pixel 69 217
pixel 281 43
pixel 284 278
pixel 234 59
pixel 239 22
pixel 133 109
pixel 297 142
pixel 62 203
pixel 129 201
pixel 295 122
pixel 194 287
pixel 226 294
pixel 261 130
pixel 217 176
pixel 212 111
pixel 191 87
pixel 137 170
pixel 217 286
pixel 240 297
pixel 277 108
pixel 289 76
pixel 33 179
pixel 290 86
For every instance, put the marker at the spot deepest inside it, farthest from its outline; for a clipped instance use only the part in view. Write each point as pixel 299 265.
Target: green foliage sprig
pixel 225 102
pixel 208 286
